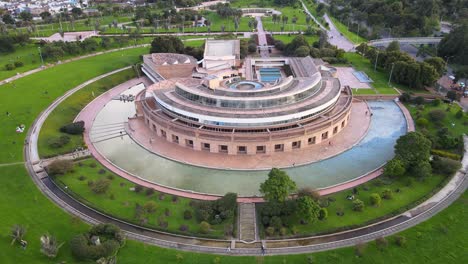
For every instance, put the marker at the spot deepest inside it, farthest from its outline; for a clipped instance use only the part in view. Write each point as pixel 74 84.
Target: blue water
pixel 362 76
pixel 255 85
pixel 387 125
pixel 269 74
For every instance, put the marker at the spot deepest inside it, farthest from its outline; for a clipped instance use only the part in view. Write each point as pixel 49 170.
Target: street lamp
pixel 447 61
pixel 391 72
pixel 40 54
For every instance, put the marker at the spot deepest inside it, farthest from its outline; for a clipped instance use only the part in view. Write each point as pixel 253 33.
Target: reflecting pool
pixel 387 125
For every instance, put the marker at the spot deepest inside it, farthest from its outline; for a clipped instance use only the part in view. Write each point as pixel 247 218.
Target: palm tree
pixel 17 232
pixel 49 245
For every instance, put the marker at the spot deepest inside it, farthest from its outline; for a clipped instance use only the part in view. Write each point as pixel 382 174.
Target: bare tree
pixel 49 245
pixel 17 233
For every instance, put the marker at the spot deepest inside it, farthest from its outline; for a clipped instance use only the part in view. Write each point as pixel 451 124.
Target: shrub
pixel 445 154
pixel 445 166
pixel 187 215
pixel 162 222
pixel 101 186
pixel 76 128
pixel 19 64
pixel 251 48
pixel 93 165
pixel 101 171
pixel 205 227
pixel 381 243
pixel 9 67
pixel 183 228
pixel 58 142
pixel 270 231
pixel 167 212
pixel 437 115
pixel 82 178
pixel 419 100
pixel 400 241
pixel 111 240
pixel 149 191
pixel 138 188
pixel 422 122
pixel 459 114
pixel 323 214
pixel 90 183
pixel 375 199
pixel 358 205
pixel 387 194
pixel 175 198
pixel 150 207
pixel 283 231
pixel 436 102
pixel 405 97
pixel 60 167
pixel 360 249
pixel 110 177
pixel 276 222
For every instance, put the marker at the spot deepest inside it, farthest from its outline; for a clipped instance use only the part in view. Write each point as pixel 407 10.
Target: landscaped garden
pixel 92 184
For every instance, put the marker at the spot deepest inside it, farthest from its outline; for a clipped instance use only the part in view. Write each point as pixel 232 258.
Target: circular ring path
pixel 422 212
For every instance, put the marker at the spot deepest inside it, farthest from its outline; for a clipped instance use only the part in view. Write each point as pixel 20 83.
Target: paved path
pixel 11 164
pixel 447 195
pixel 262 40
pixel 247 222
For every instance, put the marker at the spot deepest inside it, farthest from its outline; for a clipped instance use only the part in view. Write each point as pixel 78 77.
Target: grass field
pixel 353 37
pixel 120 201
pixel 26 97
pixel 379 77
pixel 286 39
pixel 69 109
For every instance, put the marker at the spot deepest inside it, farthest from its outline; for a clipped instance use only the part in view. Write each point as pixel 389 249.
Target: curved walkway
pixel 438 202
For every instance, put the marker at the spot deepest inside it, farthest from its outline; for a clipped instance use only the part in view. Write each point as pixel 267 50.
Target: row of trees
pixel 406 70
pixel 319 49
pixel 412 157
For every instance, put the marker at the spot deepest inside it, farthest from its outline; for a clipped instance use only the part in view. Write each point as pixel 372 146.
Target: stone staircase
pixel 247 222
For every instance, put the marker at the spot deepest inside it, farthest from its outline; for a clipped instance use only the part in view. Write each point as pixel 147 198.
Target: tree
pixel 150 207
pixel 76 11
pixel 375 199
pixel 17 233
pixel 454 44
pixel 438 63
pixel 452 95
pixel 167 44
pixel 302 51
pixel 205 227
pixel 413 148
pixel 49 245
pixel 394 168
pixel 101 186
pixel 278 186
pixel 422 122
pixel 393 46
pixel 76 128
pixel 307 208
pixel 8 19
pixel 437 115
pixel 358 205
pixel 26 16
pixel 60 167
pixel 421 169
pixel 445 166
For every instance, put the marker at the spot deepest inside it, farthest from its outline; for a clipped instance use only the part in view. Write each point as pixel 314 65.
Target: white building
pixel 221 54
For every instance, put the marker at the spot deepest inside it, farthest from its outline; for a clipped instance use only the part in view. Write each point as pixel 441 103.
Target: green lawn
pixel 406 195
pixel 379 77
pixel 288 38
pixel 120 201
pixel 69 109
pixel 353 37
pixel 28 54
pixel 25 98
pixel 455 126
pixel 290 12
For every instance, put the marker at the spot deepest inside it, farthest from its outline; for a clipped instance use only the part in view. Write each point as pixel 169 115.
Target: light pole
pixel 376 59
pixel 357 35
pixel 40 54
pixel 447 61
pixel 391 72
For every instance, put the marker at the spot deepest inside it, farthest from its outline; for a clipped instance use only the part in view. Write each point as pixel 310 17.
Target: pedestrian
pixel 228 250
pixel 8 113
pixel 366 112
pixel 24 244
pixel 329 143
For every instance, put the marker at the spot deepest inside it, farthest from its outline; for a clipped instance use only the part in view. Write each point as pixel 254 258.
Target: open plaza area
pixel 292 131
